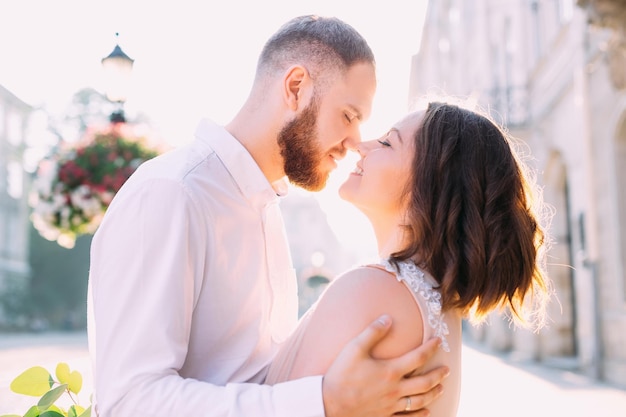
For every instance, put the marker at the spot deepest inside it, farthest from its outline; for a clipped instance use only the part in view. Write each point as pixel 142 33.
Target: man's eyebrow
pixel 393 129
pixel 357 112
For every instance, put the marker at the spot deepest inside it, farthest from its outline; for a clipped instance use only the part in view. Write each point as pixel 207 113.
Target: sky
pixel 196 59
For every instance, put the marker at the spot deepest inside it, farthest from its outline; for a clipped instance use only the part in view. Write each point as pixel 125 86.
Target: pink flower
pixel 75 187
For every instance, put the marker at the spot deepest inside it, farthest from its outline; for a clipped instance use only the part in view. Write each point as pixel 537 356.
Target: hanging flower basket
pixel 74 187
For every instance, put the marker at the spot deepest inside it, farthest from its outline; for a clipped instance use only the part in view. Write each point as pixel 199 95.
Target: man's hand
pixel 357 385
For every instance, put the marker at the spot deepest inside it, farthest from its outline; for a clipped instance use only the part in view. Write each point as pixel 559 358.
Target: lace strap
pixel 408 272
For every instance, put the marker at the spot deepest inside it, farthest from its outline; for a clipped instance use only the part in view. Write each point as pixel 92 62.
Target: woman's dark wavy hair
pixel 471 219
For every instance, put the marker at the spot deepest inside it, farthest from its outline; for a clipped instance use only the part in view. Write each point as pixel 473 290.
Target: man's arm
pixel 142 323
pixel 146 262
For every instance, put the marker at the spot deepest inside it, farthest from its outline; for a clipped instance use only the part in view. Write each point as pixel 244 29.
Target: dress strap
pixel 415 278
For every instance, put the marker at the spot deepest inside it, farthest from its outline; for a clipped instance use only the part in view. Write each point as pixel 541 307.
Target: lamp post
pixel 117 68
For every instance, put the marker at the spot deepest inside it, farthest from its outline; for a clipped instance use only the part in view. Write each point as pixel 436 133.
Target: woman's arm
pixel 348 305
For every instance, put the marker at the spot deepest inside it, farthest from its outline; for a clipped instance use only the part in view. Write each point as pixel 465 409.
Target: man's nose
pixel 352 141
pixel 363 148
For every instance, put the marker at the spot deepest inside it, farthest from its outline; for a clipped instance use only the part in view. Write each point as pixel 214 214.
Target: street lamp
pixel 117 68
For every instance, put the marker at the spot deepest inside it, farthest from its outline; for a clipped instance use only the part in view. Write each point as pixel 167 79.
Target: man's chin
pixel 312 187
pixel 311 184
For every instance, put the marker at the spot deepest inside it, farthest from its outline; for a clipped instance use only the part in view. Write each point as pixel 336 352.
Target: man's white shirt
pixel 191 290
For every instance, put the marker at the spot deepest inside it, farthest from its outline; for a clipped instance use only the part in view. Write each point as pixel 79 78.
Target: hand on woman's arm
pixel 365 370
pixel 358 385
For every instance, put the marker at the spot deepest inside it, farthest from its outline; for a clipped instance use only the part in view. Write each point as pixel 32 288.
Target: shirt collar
pixel 240 164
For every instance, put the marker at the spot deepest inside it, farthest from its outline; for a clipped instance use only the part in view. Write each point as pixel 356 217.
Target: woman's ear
pixel 296 85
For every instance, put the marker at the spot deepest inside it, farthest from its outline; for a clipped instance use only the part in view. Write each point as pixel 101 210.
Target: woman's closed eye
pixel 385 140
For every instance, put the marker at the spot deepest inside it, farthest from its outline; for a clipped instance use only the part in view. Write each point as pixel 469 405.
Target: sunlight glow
pixel 197 59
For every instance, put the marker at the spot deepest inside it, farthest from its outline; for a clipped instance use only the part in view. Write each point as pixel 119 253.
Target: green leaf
pixel 50 413
pixel 57 409
pixel 51 396
pixel 86 413
pixel 63 372
pixel 75 411
pixel 34 381
pixel 32 412
pixel 76 382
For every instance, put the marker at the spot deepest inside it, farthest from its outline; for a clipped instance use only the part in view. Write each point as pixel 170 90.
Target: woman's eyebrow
pixel 393 129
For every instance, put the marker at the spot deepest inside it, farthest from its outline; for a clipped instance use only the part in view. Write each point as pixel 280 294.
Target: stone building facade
pixel 554 73
pixel 14 210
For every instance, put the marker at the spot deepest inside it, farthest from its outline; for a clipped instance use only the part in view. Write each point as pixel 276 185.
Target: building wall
pixel 545 73
pixel 606 134
pixel 14 185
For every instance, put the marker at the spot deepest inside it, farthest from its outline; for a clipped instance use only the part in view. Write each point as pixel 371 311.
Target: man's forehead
pixel 355 89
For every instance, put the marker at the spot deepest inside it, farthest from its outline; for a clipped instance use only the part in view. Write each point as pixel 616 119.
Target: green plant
pixel 38 382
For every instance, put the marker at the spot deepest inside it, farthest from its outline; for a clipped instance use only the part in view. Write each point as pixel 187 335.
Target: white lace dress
pixel 427 297
pixel 446 325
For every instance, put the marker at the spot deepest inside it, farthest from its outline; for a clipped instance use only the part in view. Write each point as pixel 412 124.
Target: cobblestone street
pixel 493 386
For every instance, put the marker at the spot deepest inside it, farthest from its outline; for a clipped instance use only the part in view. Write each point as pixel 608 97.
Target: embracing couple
pixel 192 294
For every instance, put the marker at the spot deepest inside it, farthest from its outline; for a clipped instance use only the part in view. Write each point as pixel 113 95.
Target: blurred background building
pixel 554 73
pixel 318 257
pixel 14 212
pixel 42 284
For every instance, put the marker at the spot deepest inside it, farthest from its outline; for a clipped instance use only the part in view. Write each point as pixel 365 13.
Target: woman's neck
pixel 390 235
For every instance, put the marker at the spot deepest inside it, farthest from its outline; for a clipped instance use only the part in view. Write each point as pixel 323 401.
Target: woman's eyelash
pixel 384 143
pixel 349 117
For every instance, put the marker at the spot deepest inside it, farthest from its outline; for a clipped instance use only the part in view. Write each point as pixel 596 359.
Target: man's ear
pixel 296 85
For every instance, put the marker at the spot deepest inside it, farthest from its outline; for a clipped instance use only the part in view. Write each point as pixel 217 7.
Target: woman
pixel 458 237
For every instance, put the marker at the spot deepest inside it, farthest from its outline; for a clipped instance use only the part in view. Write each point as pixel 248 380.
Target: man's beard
pixel 300 149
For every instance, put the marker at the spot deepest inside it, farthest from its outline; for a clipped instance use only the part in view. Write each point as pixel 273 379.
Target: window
pixel 536 30
pixel 566 10
pixel 1 120
pixel 14 128
pixel 15 180
pixel 620 175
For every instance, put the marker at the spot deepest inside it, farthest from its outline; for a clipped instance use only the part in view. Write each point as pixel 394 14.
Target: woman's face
pixel 378 183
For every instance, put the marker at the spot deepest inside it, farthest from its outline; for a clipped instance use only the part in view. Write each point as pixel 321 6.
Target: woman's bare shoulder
pixel 349 304
pixel 364 293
